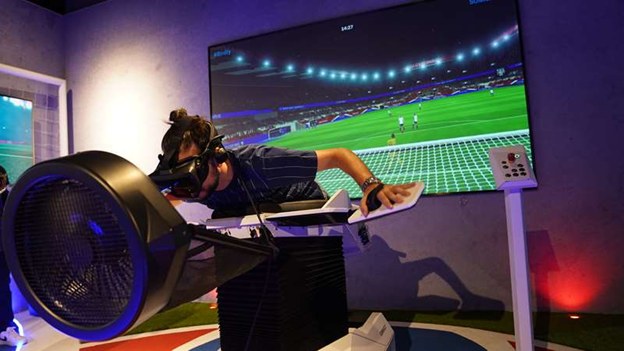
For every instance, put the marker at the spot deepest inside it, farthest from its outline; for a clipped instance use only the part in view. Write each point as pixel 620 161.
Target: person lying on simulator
pixel 195 167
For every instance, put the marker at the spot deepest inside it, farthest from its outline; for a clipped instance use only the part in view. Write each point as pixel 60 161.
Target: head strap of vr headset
pixel 180 126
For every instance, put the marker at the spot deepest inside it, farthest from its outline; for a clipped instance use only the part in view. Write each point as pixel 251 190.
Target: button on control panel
pixel 511 168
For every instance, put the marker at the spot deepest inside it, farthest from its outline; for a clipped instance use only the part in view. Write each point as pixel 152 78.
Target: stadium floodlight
pixel 310 70
pixel 423 65
pixel 438 61
pixel 407 69
pixel 323 73
pixel 290 68
pixel 239 58
pixel 376 75
pixel 476 51
pixel 506 37
pixel 266 63
pixel 364 76
pixel 343 75
pixel 353 76
pixel 332 75
pixel 448 71
pixel 460 57
pixel 391 74
pixel 495 44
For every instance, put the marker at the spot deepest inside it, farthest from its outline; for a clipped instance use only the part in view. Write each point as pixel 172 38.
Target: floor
pixel 408 337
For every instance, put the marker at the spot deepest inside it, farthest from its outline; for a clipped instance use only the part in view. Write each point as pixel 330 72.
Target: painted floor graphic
pixel 408 337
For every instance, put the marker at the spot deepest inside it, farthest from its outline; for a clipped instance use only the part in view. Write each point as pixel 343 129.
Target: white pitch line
pixel 7 155
pixel 427 130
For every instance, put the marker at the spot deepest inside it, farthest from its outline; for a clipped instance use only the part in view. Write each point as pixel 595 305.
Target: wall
pixel 31 38
pixel 128 65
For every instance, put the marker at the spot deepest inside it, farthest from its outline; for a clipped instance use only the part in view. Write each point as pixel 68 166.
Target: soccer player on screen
pixel 401 125
pixel 415 124
pixel 392 140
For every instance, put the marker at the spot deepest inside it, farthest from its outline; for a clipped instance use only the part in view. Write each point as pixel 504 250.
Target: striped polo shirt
pixel 271 174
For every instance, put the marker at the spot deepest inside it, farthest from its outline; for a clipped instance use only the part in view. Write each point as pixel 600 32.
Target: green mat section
pixel 592 332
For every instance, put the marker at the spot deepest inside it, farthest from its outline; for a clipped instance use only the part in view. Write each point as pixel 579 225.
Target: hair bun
pixel 177 114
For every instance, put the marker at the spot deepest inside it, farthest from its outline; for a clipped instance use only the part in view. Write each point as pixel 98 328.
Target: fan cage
pixel 72 251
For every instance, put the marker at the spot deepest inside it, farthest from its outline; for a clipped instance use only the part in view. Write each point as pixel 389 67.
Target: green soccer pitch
pixel 16 159
pixel 448 150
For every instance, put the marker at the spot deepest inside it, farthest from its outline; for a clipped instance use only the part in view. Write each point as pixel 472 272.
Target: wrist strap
pixel 372 202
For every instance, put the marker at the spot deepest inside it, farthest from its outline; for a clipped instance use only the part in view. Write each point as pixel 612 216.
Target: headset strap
pixel 179 128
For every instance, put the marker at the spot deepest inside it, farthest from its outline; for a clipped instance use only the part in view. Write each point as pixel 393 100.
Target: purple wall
pixel 574 80
pixel 31 38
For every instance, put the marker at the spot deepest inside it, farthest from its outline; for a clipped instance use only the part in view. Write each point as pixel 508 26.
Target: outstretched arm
pixel 350 163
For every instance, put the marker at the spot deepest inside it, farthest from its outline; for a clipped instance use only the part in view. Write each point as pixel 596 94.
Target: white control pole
pixel 512 173
pixel 520 288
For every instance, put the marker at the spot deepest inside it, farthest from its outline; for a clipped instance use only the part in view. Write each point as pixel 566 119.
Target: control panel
pixel 511 168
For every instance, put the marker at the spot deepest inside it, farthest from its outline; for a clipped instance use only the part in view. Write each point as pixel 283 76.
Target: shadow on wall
pixel 542 263
pixel 401 280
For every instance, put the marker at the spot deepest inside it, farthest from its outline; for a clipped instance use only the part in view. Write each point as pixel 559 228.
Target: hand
pixel 389 195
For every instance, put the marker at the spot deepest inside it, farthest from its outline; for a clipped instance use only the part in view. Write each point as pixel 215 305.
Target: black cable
pixel 264 231
pixel 268 237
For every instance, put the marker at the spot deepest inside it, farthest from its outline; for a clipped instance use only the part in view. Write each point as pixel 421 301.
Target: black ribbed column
pixel 304 306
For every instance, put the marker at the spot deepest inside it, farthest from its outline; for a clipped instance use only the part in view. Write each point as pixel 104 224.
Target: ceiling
pixel 65 6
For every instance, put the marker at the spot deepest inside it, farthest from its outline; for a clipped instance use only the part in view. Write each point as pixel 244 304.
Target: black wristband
pixel 372 202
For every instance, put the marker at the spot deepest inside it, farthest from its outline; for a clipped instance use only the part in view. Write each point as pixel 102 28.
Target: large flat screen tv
pixel 16 141
pixel 362 81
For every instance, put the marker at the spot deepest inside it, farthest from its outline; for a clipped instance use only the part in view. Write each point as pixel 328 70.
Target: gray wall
pixel 449 251
pixel 31 38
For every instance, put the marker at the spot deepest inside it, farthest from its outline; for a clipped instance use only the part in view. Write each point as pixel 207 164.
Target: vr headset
pixel 184 178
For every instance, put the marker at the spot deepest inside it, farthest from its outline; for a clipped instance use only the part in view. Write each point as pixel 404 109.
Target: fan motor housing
pixel 92 244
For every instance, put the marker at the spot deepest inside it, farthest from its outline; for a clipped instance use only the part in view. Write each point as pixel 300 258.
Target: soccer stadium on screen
pixel 419 92
pixel 16 142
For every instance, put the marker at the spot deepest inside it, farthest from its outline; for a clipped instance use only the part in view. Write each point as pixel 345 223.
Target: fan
pixel 93 245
